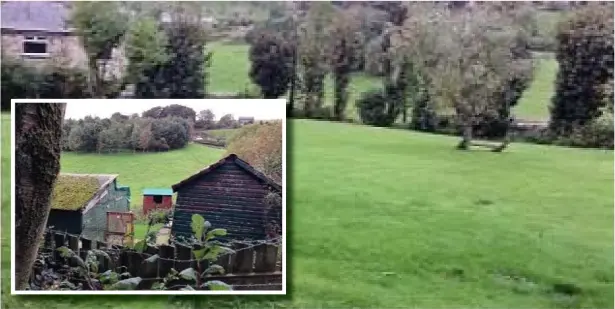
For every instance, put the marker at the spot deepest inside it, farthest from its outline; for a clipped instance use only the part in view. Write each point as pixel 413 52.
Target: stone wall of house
pixel 65 51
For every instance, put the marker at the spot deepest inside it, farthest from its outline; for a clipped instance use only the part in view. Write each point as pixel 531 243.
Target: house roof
pixel 230 158
pixel 48 16
pixel 74 191
pixel 152 191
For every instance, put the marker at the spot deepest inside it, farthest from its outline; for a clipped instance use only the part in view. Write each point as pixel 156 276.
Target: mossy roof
pixel 72 192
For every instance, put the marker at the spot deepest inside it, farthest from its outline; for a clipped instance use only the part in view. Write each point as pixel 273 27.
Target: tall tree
pixel 271 69
pixel 469 59
pixel 38 135
pixel 145 49
pixel 101 26
pixel 313 51
pixel 585 57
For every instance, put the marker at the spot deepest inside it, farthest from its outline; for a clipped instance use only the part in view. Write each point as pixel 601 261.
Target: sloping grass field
pixel 393 218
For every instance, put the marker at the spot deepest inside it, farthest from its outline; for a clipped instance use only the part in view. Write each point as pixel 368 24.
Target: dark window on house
pixel 157 199
pixel 35 46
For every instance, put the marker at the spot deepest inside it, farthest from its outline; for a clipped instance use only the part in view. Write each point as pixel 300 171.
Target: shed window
pixel 157 199
pixel 35 46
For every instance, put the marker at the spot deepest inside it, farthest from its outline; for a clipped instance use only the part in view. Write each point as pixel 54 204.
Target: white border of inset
pixel 154 102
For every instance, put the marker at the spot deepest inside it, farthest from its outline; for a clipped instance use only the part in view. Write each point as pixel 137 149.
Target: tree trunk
pixel 466 137
pixel 38 133
pixel 293 85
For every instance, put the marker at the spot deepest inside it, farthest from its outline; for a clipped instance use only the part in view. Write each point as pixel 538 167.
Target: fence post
pixel 266 258
pixel 165 263
pixel 86 245
pixel 184 255
pixel 58 240
pixel 244 258
pixel 73 243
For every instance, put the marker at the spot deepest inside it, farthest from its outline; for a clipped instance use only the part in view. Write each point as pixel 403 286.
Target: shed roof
pixel 49 16
pixel 73 191
pixel 158 191
pixel 230 158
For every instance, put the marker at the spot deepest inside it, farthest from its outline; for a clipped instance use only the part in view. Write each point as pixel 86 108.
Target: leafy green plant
pixel 203 238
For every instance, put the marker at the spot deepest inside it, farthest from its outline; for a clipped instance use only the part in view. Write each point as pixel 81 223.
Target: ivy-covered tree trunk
pixel 38 134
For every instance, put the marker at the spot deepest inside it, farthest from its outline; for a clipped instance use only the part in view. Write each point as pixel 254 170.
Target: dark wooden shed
pixel 230 194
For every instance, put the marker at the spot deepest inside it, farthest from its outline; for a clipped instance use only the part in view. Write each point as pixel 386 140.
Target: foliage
pixel 145 48
pixel 101 26
pixel 376 109
pixel 173 110
pixel 122 133
pixel 22 81
pixel 227 122
pixel 271 58
pixel 585 57
pixel 205 119
pixel 261 146
pixel 75 273
pixel 313 54
pixel 475 61
pixel 184 73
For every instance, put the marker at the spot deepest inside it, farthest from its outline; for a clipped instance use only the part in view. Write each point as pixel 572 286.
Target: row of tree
pixel 459 66
pixel 119 132
pixel 474 62
pixel 159 128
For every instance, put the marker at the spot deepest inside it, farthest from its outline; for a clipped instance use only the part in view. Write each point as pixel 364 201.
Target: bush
pixel 376 109
pixel 596 134
pixel 21 81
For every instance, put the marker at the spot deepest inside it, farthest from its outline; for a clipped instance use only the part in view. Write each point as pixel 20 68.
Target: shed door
pixel 120 228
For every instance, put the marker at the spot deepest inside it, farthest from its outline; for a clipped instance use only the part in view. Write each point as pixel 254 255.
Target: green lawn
pixel 394 218
pixel 229 68
pixel 535 102
pixel 143 170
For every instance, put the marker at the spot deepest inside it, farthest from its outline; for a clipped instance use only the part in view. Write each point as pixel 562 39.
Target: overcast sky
pixel 258 108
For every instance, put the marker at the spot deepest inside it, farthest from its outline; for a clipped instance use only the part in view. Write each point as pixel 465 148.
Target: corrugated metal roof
pixel 34 15
pixel 158 191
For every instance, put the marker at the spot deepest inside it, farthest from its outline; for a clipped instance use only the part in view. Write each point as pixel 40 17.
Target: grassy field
pixel 224 133
pixel 535 102
pixel 143 170
pixel 393 218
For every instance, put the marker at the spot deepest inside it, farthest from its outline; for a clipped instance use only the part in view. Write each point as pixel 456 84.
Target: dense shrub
pixel 585 57
pixel 261 146
pixel 376 109
pixel 596 134
pixel 21 81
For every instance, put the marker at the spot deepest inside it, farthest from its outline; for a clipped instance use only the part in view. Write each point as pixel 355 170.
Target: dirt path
pixel 162 238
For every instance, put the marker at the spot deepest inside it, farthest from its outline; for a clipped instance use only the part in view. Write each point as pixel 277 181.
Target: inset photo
pixel 148 196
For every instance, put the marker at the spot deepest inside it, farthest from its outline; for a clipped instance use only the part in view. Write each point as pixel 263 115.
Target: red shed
pixel 157 199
